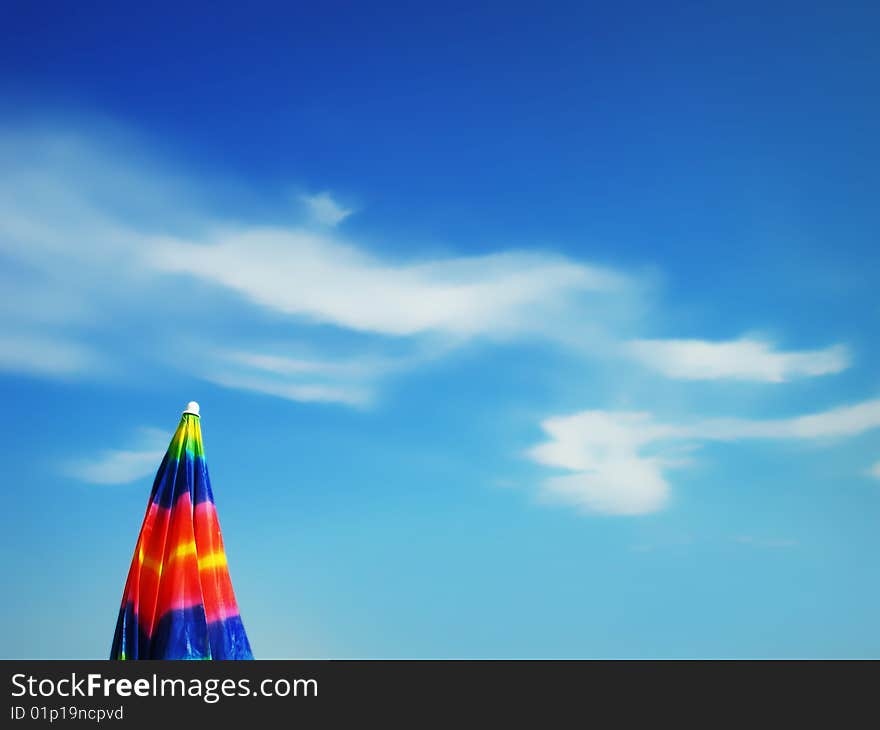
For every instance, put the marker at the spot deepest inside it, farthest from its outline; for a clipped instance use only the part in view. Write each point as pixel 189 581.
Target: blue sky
pixel 518 330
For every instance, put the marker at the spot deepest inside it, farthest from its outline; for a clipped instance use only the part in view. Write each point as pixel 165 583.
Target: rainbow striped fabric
pixel 178 601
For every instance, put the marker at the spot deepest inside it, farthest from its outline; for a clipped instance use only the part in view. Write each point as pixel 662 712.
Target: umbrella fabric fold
pixel 178 601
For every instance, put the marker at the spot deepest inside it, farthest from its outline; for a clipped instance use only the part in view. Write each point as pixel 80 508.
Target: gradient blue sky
pixel 519 329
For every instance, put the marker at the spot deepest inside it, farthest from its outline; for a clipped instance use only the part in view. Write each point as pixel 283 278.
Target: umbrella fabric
pixel 178 601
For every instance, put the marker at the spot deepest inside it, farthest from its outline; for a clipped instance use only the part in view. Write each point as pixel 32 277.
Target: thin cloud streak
pixel 618 461
pixel 302 392
pixel 46 355
pixel 743 359
pixel 122 466
pixel 296 272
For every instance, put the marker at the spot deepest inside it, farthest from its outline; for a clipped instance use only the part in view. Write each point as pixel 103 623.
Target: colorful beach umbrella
pixel 178 601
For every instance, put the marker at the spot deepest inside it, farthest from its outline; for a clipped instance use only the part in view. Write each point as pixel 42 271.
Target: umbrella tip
pixel 192 407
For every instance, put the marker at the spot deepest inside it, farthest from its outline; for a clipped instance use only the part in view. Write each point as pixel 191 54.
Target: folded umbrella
pixel 178 601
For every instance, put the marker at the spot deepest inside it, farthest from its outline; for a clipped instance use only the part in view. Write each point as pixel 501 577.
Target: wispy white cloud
pixel 617 462
pixel 298 366
pixel 296 272
pixel 875 470
pixel 833 423
pixel 743 359
pixel 349 380
pixel 121 466
pixel 307 392
pixel 325 210
pixel 45 355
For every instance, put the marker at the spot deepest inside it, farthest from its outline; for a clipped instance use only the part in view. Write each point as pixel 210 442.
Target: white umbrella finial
pixel 192 407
